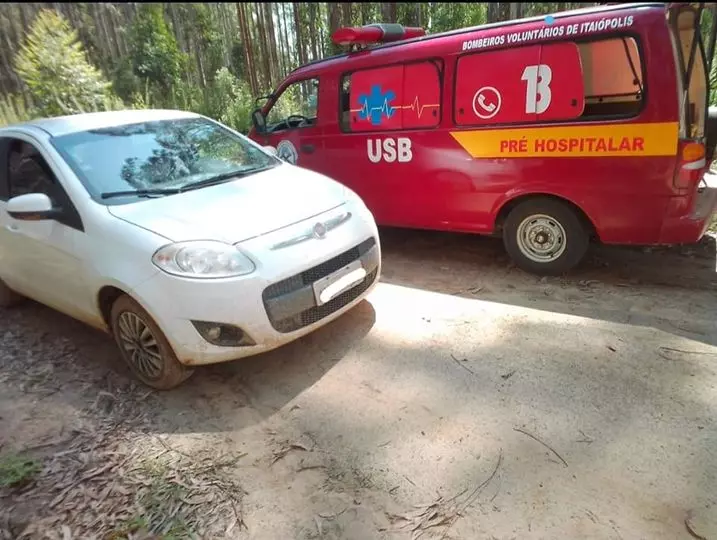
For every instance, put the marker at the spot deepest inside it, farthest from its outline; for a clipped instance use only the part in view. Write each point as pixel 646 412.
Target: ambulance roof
pixel 318 65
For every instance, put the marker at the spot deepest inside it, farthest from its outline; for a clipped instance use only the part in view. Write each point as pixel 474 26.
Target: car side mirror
pixel 257 118
pixel 32 207
pixel 272 150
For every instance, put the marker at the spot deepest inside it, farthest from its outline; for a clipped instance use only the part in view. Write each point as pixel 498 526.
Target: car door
pixel 40 257
pixel 293 124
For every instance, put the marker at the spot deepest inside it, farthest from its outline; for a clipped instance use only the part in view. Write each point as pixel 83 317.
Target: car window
pixel 162 154
pixel 28 171
pixel 299 100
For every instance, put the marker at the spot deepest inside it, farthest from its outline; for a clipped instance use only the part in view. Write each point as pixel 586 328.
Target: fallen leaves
pixel 442 512
pixel 115 482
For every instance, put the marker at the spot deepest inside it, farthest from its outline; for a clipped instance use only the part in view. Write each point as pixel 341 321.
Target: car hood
pixel 238 210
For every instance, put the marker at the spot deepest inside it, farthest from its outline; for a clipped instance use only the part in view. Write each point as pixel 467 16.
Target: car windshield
pixel 159 157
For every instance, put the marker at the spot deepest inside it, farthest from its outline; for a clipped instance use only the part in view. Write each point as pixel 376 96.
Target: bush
pixel 13 110
pixel 54 66
pixel 229 101
pixel 155 57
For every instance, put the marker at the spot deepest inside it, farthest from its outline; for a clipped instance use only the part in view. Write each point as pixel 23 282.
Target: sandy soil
pixel 464 399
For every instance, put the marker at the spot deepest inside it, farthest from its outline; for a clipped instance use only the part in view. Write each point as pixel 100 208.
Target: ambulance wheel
pixel 545 236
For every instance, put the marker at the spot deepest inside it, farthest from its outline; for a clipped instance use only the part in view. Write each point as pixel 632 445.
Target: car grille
pixel 308 277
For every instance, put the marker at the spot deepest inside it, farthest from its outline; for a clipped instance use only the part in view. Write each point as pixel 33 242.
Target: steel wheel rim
pixel 541 238
pixel 139 345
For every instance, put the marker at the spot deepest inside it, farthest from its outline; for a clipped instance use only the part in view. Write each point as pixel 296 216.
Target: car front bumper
pixel 275 304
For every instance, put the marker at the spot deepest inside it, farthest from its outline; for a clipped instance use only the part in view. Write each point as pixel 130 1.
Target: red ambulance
pixel 551 131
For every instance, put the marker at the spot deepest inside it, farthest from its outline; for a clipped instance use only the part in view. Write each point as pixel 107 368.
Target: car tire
pixel 144 348
pixel 545 236
pixel 8 297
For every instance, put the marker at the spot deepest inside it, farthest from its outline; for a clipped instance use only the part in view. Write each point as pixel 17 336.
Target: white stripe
pixel 695 165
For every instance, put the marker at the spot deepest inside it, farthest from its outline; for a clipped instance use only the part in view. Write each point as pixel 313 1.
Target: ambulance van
pixel 554 131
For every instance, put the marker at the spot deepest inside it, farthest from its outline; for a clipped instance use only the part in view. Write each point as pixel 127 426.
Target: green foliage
pixel 13 110
pixel 16 470
pixel 230 101
pixel 54 66
pixel 448 16
pixel 124 80
pixel 209 38
pixel 238 59
pixel 155 56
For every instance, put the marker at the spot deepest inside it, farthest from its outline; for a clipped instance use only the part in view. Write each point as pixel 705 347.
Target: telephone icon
pixel 490 107
pixel 486 102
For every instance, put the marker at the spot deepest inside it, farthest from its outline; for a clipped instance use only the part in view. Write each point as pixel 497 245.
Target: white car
pixel 185 240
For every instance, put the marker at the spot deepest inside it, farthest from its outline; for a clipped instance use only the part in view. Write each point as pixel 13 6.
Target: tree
pixel 53 65
pixel 156 59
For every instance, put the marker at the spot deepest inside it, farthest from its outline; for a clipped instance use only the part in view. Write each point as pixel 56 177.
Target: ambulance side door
pixel 293 124
pixel 385 146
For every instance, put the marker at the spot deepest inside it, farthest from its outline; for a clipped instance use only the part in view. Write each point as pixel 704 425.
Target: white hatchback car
pixel 185 240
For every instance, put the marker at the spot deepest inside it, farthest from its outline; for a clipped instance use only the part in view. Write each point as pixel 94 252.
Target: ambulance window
pixel 297 106
pixel 551 82
pixel 391 98
pixel 612 77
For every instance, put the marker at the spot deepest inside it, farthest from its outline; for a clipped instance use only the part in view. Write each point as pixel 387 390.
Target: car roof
pixel 64 125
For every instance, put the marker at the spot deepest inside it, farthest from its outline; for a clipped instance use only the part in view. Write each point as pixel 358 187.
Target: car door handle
pixel 308 148
pixel 12 227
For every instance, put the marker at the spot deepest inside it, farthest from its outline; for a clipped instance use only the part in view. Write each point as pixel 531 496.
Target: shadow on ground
pixel 670 288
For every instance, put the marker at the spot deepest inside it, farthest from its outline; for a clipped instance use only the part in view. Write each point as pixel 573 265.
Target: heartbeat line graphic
pixel 383 109
pixel 416 106
pixel 388 110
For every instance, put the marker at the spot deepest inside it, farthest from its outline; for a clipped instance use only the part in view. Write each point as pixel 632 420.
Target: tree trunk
pixel 314 41
pixel 270 43
pixel 334 24
pixel 346 13
pixel 289 57
pixel 248 49
pixel 281 51
pixel 493 12
pixel 389 12
pixel 299 36
pixel 365 9
pixel 263 48
pixel 176 27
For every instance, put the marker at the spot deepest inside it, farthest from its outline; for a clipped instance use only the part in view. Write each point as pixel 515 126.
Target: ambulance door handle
pixel 308 148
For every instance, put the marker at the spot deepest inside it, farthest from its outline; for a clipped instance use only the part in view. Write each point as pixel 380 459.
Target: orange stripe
pixel 614 140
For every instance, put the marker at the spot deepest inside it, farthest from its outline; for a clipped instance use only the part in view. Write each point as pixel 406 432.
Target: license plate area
pixel 329 287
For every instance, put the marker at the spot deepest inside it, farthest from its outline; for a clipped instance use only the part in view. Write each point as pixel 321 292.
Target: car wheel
pixel 144 347
pixel 8 297
pixel 545 236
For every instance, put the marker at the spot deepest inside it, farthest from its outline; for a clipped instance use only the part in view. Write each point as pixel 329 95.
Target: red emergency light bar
pixel 375 33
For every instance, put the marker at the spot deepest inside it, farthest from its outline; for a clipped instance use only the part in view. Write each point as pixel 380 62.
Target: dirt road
pixel 464 399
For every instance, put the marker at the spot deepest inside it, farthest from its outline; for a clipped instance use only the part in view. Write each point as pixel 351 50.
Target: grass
pixel 16 470
pixel 713 224
pixel 162 510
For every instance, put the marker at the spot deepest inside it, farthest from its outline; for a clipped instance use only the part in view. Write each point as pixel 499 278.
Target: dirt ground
pixel 464 399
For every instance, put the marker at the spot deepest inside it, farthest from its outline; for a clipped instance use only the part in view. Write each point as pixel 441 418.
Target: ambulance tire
pixel 545 236
pixel 8 297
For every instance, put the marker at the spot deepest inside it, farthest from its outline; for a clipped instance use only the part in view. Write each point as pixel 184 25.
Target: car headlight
pixel 206 259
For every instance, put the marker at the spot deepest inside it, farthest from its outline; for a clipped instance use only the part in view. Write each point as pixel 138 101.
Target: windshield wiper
pixel 218 179
pixel 140 192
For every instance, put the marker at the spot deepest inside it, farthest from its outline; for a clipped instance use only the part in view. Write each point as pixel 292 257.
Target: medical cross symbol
pixel 376 104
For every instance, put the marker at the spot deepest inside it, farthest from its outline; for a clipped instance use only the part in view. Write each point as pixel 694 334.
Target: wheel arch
pixel 511 203
pixel 106 297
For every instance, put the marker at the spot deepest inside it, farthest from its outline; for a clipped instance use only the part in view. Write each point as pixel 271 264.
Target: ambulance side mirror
pixel 257 118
